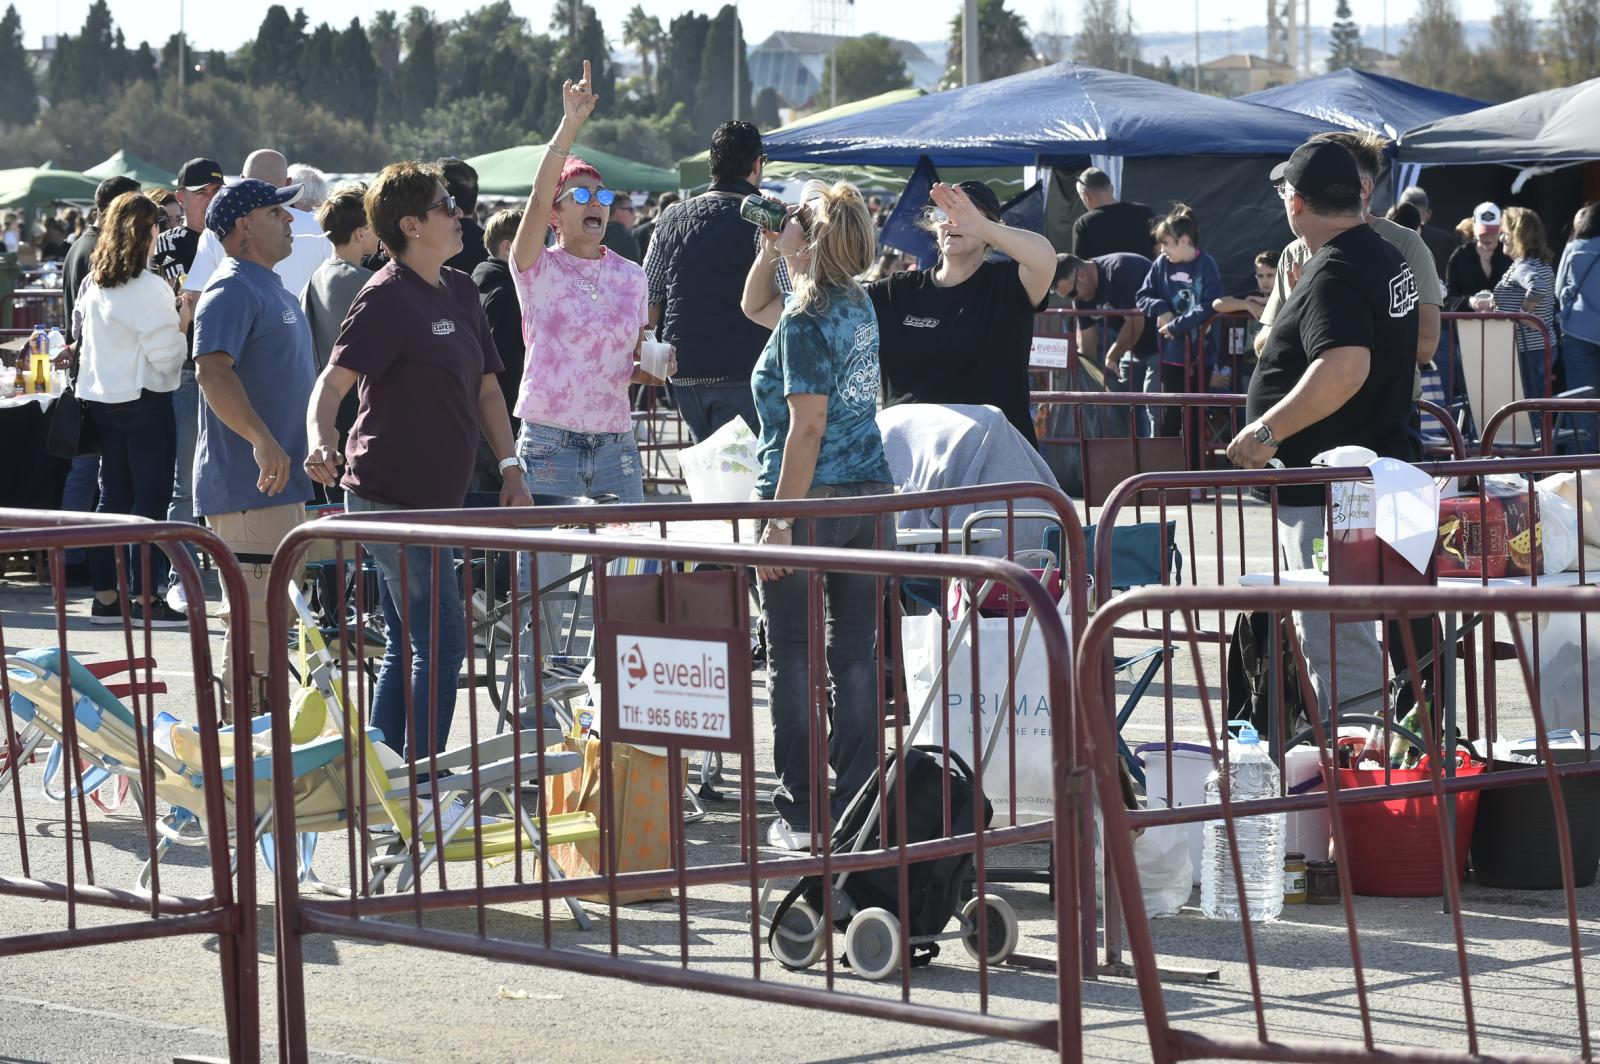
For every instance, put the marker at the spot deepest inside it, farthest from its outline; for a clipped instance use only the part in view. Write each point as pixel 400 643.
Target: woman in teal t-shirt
pixel 816 391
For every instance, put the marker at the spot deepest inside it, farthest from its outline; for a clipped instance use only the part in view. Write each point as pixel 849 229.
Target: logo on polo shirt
pixel 1402 293
pixel 914 322
pixel 444 327
pixel 289 317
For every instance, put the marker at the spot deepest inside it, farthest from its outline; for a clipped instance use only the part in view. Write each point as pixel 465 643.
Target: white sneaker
pixel 782 836
pixel 177 599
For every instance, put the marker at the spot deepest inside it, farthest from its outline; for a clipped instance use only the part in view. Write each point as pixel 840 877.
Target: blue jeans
pixel 1582 361
pixel 136 454
pixel 708 407
pixel 186 412
pixel 433 681
pixel 580 464
pixel 853 604
pixel 78 493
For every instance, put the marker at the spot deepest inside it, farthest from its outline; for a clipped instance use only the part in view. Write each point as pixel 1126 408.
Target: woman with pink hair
pixel 584 314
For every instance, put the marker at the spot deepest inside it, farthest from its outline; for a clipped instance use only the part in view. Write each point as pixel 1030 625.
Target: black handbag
pixel 72 432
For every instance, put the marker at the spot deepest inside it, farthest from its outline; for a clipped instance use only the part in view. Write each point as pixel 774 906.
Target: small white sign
pixel 673 686
pixel 1050 352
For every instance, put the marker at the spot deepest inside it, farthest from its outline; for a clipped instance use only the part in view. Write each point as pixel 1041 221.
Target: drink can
pixel 764 211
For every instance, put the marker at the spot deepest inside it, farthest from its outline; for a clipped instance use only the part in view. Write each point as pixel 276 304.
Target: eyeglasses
pixel 581 195
pixel 448 203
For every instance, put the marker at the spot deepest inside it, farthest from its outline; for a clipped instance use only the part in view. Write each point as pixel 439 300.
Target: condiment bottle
pixel 1294 878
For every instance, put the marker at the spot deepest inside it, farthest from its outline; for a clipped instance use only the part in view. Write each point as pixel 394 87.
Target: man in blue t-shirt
pixel 255 364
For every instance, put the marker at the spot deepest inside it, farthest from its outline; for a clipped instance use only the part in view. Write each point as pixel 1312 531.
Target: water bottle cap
pixel 1247 732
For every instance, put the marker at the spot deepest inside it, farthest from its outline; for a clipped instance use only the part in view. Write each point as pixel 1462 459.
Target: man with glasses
pixel 255 364
pixel 699 255
pixel 1109 282
pixel 199 180
pixel 1335 369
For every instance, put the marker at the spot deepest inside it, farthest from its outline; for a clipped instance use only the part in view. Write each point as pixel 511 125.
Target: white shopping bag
pixel 722 467
pixel 1026 715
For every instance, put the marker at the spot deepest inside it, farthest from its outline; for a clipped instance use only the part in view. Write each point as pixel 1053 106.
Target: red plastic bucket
pixel 1392 847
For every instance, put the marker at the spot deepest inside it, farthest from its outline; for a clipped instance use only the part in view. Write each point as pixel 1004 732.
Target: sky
pixel 228 25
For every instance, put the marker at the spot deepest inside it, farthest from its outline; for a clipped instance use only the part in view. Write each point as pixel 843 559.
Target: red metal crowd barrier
pixel 82 735
pixel 1379 998
pixel 661 433
pixel 1557 420
pixel 631 615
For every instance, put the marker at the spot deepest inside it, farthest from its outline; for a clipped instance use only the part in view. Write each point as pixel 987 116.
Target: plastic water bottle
pixel 57 341
pixel 1251 775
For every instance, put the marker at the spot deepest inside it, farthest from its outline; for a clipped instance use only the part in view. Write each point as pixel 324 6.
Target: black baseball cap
pixel 1323 171
pixel 198 173
pixel 982 197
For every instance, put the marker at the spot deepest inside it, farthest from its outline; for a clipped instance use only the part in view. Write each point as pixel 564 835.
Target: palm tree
pixel 643 32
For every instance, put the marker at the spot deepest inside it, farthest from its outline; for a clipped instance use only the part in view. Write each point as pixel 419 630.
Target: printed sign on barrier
pixel 676 686
pixel 1049 352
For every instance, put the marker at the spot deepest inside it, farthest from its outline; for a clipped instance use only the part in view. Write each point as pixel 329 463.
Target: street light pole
pixel 736 59
pixel 183 50
pixel 969 44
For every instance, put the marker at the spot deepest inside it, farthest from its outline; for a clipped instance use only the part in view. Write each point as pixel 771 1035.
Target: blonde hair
pixel 843 243
pixel 1524 232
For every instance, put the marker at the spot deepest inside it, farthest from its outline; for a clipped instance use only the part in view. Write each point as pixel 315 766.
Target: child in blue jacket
pixel 1176 296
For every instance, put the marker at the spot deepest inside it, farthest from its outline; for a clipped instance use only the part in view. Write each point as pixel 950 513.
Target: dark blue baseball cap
pixel 235 201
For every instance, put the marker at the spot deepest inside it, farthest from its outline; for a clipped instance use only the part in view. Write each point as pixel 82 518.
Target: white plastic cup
pixel 654 357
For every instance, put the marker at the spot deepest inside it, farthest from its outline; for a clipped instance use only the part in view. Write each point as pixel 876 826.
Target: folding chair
pixel 1138 560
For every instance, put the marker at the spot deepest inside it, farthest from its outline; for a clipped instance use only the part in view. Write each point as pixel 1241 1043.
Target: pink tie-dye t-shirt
pixel 580 350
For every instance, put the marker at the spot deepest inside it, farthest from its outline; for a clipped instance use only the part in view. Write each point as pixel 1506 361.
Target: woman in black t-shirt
pixel 961 331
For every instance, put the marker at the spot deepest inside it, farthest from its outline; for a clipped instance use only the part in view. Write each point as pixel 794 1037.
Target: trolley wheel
pixel 872 942
pixel 798 940
pixel 1002 927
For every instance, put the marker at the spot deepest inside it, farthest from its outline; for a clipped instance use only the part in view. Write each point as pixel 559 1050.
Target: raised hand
pixel 578 99
pixel 958 207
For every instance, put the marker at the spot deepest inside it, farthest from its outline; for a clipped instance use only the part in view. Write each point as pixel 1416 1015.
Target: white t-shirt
pixel 311 249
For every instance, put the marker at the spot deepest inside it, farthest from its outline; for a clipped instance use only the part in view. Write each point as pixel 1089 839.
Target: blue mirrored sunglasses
pixel 581 196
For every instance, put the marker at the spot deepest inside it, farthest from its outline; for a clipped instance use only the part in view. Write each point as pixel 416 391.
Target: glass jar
pixel 1294 878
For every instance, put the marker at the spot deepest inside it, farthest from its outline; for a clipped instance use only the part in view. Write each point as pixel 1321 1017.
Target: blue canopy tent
pixel 1159 143
pixel 1355 99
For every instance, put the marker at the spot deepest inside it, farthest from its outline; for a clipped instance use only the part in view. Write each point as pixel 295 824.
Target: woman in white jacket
pixel 130 353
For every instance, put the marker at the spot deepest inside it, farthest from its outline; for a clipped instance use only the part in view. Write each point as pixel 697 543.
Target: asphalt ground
pixel 160 999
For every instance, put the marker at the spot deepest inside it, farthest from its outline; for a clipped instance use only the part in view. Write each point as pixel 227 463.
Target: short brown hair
pixel 502 226
pixel 1365 147
pixel 1267 258
pixel 164 196
pixel 401 190
pixel 1179 222
pixel 1524 233
pixel 123 250
pixel 342 213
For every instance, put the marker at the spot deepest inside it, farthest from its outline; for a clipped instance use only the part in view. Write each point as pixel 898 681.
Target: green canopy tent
pixel 510 172
pixel 695 172
pixel 32 188
pixel 124 164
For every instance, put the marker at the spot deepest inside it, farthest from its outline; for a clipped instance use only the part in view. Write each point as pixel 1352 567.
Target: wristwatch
pixel 507 463
pixel 1264 435
pixel 782 524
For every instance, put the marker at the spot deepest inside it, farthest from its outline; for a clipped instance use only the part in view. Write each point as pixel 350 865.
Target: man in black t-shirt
pixel 1109 226
pixel 198 182
pixel 1336 370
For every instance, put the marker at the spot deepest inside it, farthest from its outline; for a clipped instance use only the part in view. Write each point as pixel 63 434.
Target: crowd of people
pixel 249 347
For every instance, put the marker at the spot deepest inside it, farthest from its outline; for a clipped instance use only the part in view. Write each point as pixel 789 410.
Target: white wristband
pixel 507 463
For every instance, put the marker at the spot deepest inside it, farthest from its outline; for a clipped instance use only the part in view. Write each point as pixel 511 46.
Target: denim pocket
pixel 539 443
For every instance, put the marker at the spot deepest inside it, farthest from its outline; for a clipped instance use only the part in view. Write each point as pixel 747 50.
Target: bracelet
pixel 507 463
pixel 552 147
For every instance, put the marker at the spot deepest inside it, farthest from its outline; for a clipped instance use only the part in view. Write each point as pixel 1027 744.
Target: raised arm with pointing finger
pixel 577 104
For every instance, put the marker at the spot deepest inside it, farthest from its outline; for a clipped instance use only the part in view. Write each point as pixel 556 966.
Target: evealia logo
pixel 633 666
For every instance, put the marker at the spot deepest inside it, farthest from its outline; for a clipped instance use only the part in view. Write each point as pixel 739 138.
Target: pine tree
pixel 417 82
pixel 714 90
pixel 1344 39
pixel 361 74
pixel 19 96
pixel 84 66
pixel 275 53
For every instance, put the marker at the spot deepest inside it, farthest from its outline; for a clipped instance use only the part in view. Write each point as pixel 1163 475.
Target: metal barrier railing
pixel 104 749
pixel 1550 413
pixel 634 618
pixel 1313 1018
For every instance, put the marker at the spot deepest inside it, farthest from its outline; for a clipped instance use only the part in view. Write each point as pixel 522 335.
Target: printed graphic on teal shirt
pixel 834 353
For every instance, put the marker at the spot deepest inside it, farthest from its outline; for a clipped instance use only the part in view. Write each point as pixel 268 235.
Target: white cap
pixel 1486 215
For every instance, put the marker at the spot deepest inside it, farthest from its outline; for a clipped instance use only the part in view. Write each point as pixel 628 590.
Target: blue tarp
pixel 1053 116
pixel 1355 99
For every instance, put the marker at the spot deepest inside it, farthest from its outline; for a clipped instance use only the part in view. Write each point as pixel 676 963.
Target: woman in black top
pixel 961 331
pixel 1478 266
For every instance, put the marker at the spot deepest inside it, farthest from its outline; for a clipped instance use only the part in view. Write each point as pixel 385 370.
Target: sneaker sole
pixel 162 624
pixel 100 618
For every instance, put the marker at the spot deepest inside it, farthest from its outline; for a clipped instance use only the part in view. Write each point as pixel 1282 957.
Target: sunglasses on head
pixel 448 203
pixel 582 195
